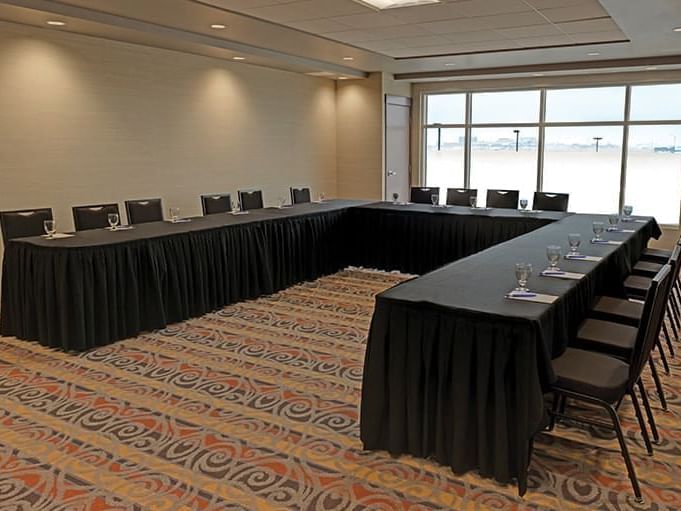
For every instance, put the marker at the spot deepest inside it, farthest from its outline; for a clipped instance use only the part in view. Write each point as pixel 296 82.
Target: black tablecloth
pixel 455 371
pixel 417 238
pixel 100 286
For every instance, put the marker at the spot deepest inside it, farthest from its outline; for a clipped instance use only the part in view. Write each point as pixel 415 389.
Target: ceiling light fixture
pixel 342 77
pixel 393 4
pixel 450 64
pixel 593 54
pixel 651 68
pixel 238 58
pixel 537 74
pixel 218 26
pixel 677 29
pixel 56 23
pixel 349 58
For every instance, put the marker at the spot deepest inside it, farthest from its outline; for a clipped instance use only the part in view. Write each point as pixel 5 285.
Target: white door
pixel 397 143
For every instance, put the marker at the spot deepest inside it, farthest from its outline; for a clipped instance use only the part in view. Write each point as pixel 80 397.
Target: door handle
pixel 392 173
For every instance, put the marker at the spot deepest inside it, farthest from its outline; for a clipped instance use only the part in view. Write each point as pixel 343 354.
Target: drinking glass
pixel 613 220
pixel 235 206
pixel 523 204
pixel 627 211
pixel 281 201
pixel 474 201
pixel 598 228
pixel 113 220
pixel 553 254
pixel 50 227
pixel 574 240
pixel 174 214
pixel 523 271
pixel 396 197
pixel 434 199
pixel 321 196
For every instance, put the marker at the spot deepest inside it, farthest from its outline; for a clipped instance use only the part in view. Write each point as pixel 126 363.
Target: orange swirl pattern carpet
pixel 256 407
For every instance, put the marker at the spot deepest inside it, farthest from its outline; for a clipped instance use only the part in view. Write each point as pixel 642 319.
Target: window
pixel 489 140
pixel 585 161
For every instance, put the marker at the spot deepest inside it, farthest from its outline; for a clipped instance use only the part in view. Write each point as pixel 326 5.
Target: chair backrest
pixel 144 211
pixel 507 199
pixel 551 201
pixel 651 321
pixel 460 196
pixel 23 223
pixel 216 204
pixel 422 195
pixel 300 195
pixel 93 217
pixel 250 199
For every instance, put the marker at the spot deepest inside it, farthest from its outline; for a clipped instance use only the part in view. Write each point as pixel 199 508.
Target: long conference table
pixel 454 371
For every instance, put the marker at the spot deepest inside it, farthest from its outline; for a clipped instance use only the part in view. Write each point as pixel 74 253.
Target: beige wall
pixel 86 120
pixel 360 133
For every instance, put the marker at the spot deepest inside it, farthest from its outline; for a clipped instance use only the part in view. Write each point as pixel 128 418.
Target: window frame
pixel 541 125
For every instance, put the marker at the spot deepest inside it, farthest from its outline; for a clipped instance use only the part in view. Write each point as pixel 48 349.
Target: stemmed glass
pixel 598 228
pixel 435 198
pixel 523 204
pixel 613 220
pixel 321 196
pixel 281 201
pixel 235 206
pixel 553 254
pixel 396 197
pixel 574 240
pixel 474 201
pixel 174 214
pixel 523 271
pixel 627 211
pixel 113 220
pixel 50 227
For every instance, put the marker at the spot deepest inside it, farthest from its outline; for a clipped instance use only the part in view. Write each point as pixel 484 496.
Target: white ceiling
pixel 448 28
pixel 456 38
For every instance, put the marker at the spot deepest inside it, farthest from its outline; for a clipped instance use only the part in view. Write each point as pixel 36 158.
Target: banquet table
pixel 455 371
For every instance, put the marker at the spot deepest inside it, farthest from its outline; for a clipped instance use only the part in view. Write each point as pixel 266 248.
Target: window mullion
pixel 467 143
pixel 625 145
pixel 540 141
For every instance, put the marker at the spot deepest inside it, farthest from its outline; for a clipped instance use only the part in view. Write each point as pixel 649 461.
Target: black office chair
pixel 422 195
pixel 300 195
pixel 144 211
pixel 550 201
pixel 250 199
pixel 507 199
pixel 460 196
pixel 216 204
pixel 604 380
pixel 23 223
pixel 93 217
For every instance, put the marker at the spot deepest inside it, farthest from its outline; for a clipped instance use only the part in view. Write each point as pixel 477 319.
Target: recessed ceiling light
pixel 537 74
pixel 56 23
pixel 677 29
pixel 450 64
pixel 238 58
pixel 392 4
pixel 348 58
pixel 651 68
pixel 342 77
pixel 218 26
pixel 593 54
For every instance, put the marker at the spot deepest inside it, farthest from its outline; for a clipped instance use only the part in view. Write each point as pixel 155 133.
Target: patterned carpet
pixel 256 407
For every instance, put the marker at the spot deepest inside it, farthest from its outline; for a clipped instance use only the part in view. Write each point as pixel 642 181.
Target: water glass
pixel 396 197
pixel 435 198
pixel 113 220
pixel 50 227
pixel 627 211
pixel 281 201
pixel 553 254
pixel 321 196
pixel 523 271
pixel 523 204
pixel 574 240
pixel 613 220
pixel 598 228
pixel 474 201
pixel 174 214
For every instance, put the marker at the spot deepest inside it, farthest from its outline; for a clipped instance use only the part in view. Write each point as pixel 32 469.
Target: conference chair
pixel 144 211
pixel 422 195
pixel 93 217
pixel 507 199
pixel 460 196
pixel 300 195
pixel 250 199
pixel 550 201
pixel 23 223
pixel 604 380
pixel 216 204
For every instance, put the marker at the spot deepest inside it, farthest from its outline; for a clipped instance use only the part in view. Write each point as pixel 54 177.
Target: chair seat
pixel 619 310
pixel 656 254
pixel 647 268
pixel 590 373
pixel 637 285
pixel 607 337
